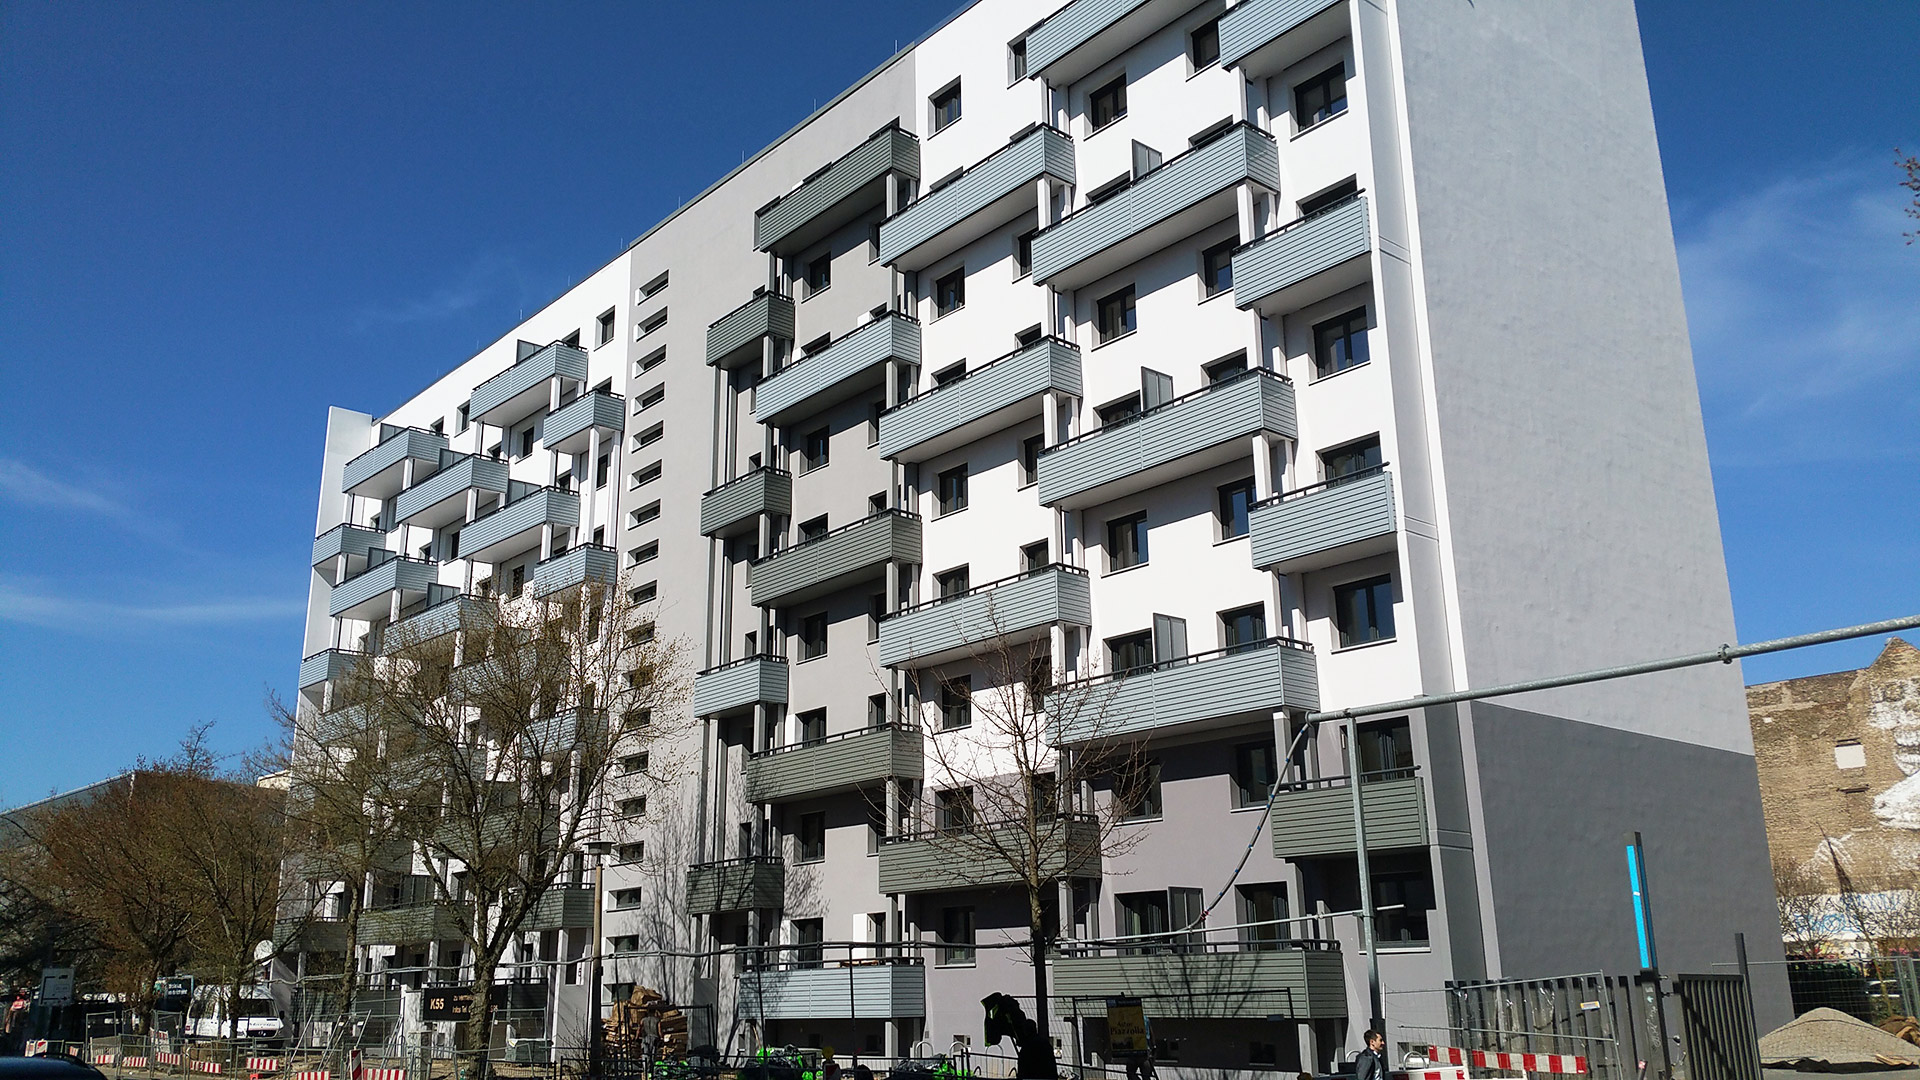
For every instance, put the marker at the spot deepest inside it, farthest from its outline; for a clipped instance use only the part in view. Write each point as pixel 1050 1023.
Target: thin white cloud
pixel 488 277
pixel 22 483
pixel 32 606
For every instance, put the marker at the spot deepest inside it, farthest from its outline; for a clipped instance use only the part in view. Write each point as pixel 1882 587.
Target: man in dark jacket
pixel 1372 1062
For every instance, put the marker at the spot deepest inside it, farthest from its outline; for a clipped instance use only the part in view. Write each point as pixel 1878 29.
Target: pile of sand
pixel 1830 1040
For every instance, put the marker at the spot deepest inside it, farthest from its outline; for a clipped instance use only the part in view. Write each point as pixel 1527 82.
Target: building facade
pixel 1241 360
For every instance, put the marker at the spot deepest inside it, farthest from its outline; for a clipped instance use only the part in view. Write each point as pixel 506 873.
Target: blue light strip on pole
pixel 1634 878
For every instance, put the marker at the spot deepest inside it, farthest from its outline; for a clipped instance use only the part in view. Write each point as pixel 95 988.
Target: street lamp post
pixel 599 849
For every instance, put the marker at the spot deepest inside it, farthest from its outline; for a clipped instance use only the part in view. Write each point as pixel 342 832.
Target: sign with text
pixel 56 986
pixel 1126 1026
pixel 446 1003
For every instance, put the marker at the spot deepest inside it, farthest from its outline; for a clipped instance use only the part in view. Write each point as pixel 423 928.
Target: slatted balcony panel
pixel 1305 262
pixel 1265 37
pixel 1211 981
pixel 1324 525
pixel 999 189
pixel 515 527
pixel 839 763
pixel 736 687
pixel 836 195
pixel 1316 818
pixel 1216 687
pixel 328 665
pixel 716 888
pixel 562 907
pixel 984 618
pixel 594 563
pixel 459 612
pixel 368 595
pixel 843 557
pixel 991 397
pixel 570 430
pixel 353 541
pixel 863 990
pixel 379 473
pixel 1085 34
pixel 407 924
pixel 522 389
pixel 441 499
pixel 733 340
pixel 735 506
pixel 855 363
pixel 933 862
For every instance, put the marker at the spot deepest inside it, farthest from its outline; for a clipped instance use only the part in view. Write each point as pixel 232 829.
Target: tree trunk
pixel 343 1029
pixel 1044 1035
pixel 479 1030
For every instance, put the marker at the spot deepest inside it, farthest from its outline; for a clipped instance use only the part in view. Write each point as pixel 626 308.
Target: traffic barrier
pixel 103 1059
pixel 213 1067
pixel 264 1064
pixel 1432 1074
pixel 313 1074
pixel 380 1074
pixel 134 1061
pixel 167 1059
pixel 1494 1059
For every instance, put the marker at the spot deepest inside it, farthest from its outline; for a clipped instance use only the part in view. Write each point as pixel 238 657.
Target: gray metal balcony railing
pixel 1317 526
pixel 1189 434
pixel 1188 190
pixel 353 541
pixel 994 396
pixel 1315 817
pixel 1264 37
pixel 576 566
pixel 854 363
pixel 1205 979
pixel 864 987
pixel 408 923
pixel 755 882
pixel 379 473
pixel 1239 682
pixel 1008 611
pixel 515 525
pixel 940 860
pixel 445 610
pixel 737 504
pixel 441 499
pixel 562 907
pixel 368 593
pixel 738 685
pixel 1085 34
pixel 852 553
pixel 990 193
pixel 570 430
pixel 328 665
pixel 733 340
pixel 845 761
pixel 837 193
pixel 523 389
pixel 1306 260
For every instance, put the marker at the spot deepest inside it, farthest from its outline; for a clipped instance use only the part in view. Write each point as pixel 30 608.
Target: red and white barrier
pixel 1451 1073
pixel 134 1061
pixel 263 1064
pixel 103 1059
pixel 213 1067
pixel 1493 1059
pixel 380 1074
pixel 167 1059
pixel 313 1074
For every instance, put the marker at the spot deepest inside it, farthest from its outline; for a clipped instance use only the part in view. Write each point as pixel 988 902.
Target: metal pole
pixel 595 1027
pixel 1374 1018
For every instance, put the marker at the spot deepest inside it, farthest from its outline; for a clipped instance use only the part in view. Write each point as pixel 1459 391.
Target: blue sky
pixel 217 219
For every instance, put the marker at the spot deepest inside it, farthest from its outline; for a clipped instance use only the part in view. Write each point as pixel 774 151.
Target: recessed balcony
pixel 945 860
pixel 733 340
pixel 574 567
pixel 325 666
pixel 992 192
pixel 1190 434
pixel 849 366
pixel 406 924
pixel 526 387
pixel 1085 34
pixel 837 194
pixel 735 687
pixel 716 888
pixel 444 611
pixel 864 989
pixel 369 594
pixel 441 499
pixel 357 543
pixel 1194 693
pixel 562 907
pixel 516 525
pixel 311 935
pixel 1210 980
pixel 1331 522
pixel 1315 817
pixel 1006 612
pixel 1306 261
pixel 381 472
pixel 992 397
pixel 570 429
pixel 1187 192
pixel 735 506
pixel 849 555
pixel 848 761
pixel 1263 38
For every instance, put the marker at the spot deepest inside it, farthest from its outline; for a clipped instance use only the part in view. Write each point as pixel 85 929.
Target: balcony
pixel 516 525
pixel 1298 980
pixel 1004 612
pixel 733 340
pixel 1207 689
pixel 1315 817
pixel 992 192
pixel 1305 261
pixel 560 733
pixel 369 594
pixel 849 366
pixel 734 506
pixel 526 387
pixel 990 398
pixel 355 542
pixel 716 888
pixel 1190 434
pixel 574 567
pixel 441 500
pixel 848 555
pixel 879 989
pixel 1335 521
pixel 381 472
pixel 561 907
pixel 406 924
pixel 570 430
pixel 327 665
pixel 1087 33
pixel 1265 37
pixel 837 194
pixel 941 861
pixel 311 935
pixel 736 687
pixel 849 761
pixel 1187 192
pixel 440 615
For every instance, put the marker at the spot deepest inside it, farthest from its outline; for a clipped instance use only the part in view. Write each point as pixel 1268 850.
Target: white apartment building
pixel 1262 358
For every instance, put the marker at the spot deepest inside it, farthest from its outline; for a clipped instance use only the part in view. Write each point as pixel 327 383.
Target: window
pixel 1263 915
pixel 460 418
pixel 814 450
pixel 816 345
pixel 1321 97
pixel 1109 189
pixel 1203 44
pixel 633 808
pixel 650 361
pixel 1126 542
pixel 656 322
pixel 571 340
pixel 1331 197
pixel 813 528
pixel 819 274
pixel 524 442
pixel 644 593
pixel 517 580
pixel 648 437
pixel 1254 773
pixel 1234 502
pixel 1016 61
pixel 1216 268
pixel 631 853
pixel 1144 916
pixel 812 726
pixel 953 810
pixel 809 933
pixel 605 326
pixel 1209 133
pixel 950 373
pixel 1363 611
pixel 946 107
pixel 602 469
pixel 1023 253
pixel 439 426
pixel 1386 749
pixel 644 476
pixel 650 398
pixel 812 844
pixel 644 514
pixel 953 490
pixel 652 287
pixel 626 898
pixel 1243 628
pixel 644 553
pixel 1130 652
pixel 1404 897
pixel 956 702
pixel 1034 556
pixel 956 936
pixel 1030 448
pixel 1107 103
pixel 1353 459
pixel 874 411
pixel 633 764
pixel 1027 337
pixel 1340 343
pixel 1142 799
pixel 953 582
pixel 1226 368
pixel 1849 755
pixel 950 293
pixel 813 635
pixel 1115 316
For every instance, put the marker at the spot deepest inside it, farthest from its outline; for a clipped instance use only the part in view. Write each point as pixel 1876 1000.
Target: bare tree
pixel 1909 167
pixel 1804 900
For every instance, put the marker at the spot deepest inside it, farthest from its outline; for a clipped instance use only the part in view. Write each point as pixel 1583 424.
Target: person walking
pixel 1372 1062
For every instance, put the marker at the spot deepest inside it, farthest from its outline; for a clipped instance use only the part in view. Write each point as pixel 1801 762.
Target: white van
pixel 258 1019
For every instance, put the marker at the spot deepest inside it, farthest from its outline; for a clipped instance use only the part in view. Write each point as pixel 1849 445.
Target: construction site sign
pixel 446 1003
pixel 1126 1026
